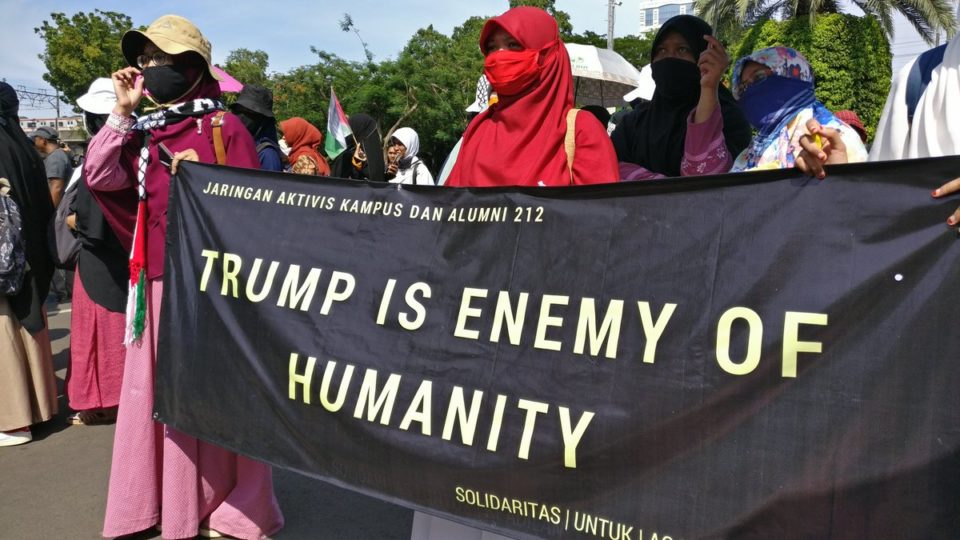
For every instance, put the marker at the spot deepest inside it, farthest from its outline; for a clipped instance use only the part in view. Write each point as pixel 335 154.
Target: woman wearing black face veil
pixel 363 158
pixel 28 389
pixel 692 126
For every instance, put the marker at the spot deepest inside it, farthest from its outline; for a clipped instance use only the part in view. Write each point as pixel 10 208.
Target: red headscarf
pixel 303 139
pixel 520 139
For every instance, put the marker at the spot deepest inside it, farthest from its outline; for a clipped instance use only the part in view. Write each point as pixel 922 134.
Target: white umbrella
pixel 600 76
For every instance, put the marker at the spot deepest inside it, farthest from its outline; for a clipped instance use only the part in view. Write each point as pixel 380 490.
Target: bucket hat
pixel 171 34
pixel 257 99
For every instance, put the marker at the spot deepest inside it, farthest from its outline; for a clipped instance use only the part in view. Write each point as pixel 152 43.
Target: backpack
pixel 13 258
pixel 63 242
pixel 268 144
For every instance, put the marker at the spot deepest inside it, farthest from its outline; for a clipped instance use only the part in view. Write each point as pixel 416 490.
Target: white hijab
pixel 409 138
pixel 932 132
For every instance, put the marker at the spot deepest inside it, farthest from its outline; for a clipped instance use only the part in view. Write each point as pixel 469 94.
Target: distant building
pixel 653 13
pixel 70 127
pixel 66 123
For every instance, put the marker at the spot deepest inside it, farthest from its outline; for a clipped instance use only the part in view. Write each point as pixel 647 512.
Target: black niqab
pixel 20 163
pixel 366 133
pixel 653 135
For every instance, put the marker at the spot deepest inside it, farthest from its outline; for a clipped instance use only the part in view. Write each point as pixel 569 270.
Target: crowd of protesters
pixel 524 131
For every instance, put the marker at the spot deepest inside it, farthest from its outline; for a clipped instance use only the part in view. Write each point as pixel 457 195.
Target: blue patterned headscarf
pixel 777 106
pixel 784 61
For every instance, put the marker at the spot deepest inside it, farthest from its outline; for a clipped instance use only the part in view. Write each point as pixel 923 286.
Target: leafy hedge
pixel 850 57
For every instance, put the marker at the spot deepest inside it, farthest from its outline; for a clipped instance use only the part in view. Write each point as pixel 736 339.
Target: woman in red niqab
pixel 520 139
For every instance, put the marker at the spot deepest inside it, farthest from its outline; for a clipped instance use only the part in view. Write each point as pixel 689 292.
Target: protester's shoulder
pixel 58 156
pixel 589 128
pixel 232 128
pixel 229 122
pixel 423 172
pixel 856 151
pixel 627 122
pixel 58 165
pixel 304 164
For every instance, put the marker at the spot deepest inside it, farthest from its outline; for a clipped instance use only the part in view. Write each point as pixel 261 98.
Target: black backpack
pixel 63 242
pixel 13 256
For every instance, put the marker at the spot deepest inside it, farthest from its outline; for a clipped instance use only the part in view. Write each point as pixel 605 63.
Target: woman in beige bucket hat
pixel 159 476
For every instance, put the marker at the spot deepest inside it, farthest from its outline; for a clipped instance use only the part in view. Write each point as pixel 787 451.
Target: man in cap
pixel 254 106
pixel 59 169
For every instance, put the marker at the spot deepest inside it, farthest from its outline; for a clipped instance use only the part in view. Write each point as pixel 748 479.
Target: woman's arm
pixel 704 148
pixel 631 171
pixel 101 167
pixel 713 63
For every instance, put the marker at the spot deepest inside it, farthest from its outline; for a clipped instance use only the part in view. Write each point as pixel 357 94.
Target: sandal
pixel 93 417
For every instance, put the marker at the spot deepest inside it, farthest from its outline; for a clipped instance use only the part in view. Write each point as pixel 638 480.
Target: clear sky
pixel 286 30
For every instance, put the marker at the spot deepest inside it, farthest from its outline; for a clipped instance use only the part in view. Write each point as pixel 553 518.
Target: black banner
pixel 743 356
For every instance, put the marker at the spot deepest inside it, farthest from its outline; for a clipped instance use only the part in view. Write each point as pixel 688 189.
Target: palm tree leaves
pixel 730 17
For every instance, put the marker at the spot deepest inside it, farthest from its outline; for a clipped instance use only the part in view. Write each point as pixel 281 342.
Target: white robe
pixel 935 130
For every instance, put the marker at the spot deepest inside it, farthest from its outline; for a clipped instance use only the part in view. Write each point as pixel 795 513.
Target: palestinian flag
pixel 137 298
pixel 337 128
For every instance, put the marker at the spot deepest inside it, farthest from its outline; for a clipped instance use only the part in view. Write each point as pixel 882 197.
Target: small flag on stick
pixel 338 129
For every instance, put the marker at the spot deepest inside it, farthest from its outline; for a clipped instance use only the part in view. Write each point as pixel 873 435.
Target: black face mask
pixel 251 121
pixel 676 79
pixel 166 83
pixel 94 122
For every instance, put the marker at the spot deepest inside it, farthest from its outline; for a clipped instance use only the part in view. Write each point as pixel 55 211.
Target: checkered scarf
pixel 137 299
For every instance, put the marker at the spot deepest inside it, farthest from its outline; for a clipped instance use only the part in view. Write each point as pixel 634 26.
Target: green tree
pixel 81 48
pixel 926 16
pixel 427 87
pixel 248 67
pixel 635 49
pixel 305 91
pixel 439 74
pixel 850 57
pixel 562 17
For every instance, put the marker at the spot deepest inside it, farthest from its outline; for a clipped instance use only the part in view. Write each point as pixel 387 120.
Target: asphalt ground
pixel 55 487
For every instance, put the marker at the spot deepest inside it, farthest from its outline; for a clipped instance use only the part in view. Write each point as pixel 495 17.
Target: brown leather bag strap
pixel 570 140
pixel 217 122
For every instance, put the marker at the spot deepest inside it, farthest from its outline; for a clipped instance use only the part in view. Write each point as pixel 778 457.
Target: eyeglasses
pixel 757 76
pixel 156 59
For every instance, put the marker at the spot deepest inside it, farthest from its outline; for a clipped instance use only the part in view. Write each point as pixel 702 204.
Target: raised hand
pixel 128 86
pixel 713 63
pixel 830 149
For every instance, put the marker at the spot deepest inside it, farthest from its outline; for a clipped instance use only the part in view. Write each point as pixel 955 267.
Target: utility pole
pixel 611 8
pixel 33 99
pixel 611 16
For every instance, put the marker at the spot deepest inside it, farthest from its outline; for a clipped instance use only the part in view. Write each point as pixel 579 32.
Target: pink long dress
pixel 95 373
pixel 160 476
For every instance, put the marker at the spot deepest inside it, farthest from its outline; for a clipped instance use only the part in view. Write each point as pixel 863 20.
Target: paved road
pixel 56 486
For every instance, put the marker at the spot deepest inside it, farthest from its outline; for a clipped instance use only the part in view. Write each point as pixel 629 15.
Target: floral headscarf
pixel 784 61
pixel 779 106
